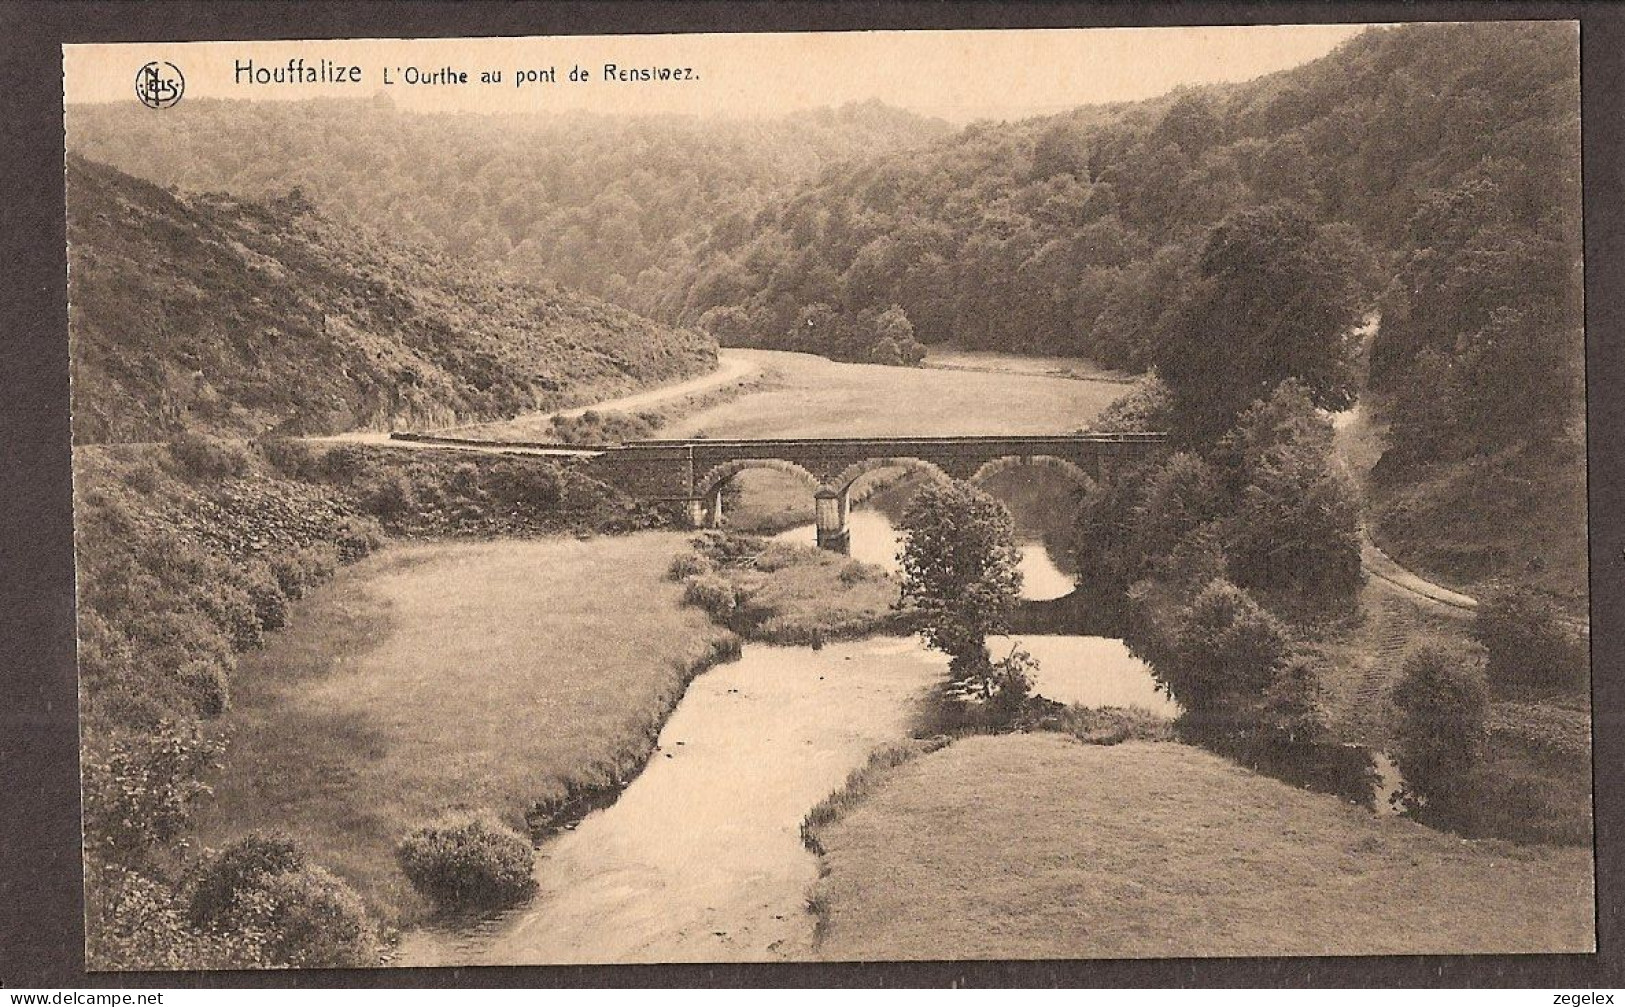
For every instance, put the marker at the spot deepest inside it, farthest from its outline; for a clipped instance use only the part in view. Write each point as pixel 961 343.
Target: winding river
pixel 700 858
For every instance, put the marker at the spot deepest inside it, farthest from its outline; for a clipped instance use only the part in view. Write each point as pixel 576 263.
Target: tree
pixel 961 573
pixel 1227 653
pixel 1443 707
pixel 1529 647
pixel 1293 529
pixel 894 341
pixel 1275 297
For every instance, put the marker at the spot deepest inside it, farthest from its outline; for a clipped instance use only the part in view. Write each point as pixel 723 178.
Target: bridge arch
pixel 1007 463
pixel 843 481
pixel 718 476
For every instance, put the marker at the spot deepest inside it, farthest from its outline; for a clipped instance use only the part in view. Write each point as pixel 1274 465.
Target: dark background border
pixel 41 932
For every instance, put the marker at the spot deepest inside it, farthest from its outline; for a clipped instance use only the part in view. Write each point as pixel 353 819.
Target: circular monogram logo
pixel 159 84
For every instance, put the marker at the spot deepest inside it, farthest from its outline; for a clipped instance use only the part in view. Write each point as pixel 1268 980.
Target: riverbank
pixel 776 592
pixel 501 675
pixel 1035 846
pixel 700 859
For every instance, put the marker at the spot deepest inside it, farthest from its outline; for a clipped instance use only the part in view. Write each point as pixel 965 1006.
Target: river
pixel 700 858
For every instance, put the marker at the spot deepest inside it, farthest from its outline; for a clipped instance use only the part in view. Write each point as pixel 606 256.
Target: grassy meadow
pixel 810 396
pixel 429 677
pixel 1035 846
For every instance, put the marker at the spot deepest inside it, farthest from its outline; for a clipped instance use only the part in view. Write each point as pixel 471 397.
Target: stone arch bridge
pixel 697 471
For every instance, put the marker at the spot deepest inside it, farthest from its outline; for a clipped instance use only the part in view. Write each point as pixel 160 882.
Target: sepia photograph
pixel 864 496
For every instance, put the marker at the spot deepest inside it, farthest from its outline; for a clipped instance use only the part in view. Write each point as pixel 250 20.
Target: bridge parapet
pixel 697 471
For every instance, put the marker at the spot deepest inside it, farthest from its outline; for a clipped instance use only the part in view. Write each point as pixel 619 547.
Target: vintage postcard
pixel 1023 494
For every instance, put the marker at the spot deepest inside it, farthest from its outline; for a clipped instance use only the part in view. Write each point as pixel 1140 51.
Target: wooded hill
pixel 611 205
pixel 1074 234
pixel 217 314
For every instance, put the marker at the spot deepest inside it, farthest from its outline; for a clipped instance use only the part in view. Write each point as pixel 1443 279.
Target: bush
pixel 141 789
pixel 1293 711
pixel 1227 651
pixel 1443 705
pixel 288 455
pixel 356 538
pixel 145 476
pixel 216 883
pixel 534 485
pixel 284 910
pixel 134 922
pixel 313 920
pixel 265 594
pixel 387 494
pixel 1530 648
pixel 231 608
pixel 689 564
pixel 208 683
pixel 468 861
pixel 343 463
pixel 713 593
pixel 204 457
pixel 299 571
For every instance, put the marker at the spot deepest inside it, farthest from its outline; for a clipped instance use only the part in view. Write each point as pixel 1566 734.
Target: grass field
pixel 810 396
pixel 1022 846
pixel 437 676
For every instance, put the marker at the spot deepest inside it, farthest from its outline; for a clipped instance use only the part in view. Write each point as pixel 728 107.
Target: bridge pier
pixel 716 506
pixel 830 508
pixel 696 512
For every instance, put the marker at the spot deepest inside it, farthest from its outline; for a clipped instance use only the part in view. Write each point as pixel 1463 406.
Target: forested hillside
pixel 1230 238
pixel 213 313
pixel 1076 234
pixel 609 205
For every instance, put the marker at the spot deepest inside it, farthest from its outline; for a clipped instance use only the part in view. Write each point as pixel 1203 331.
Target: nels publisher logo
pixel 159 84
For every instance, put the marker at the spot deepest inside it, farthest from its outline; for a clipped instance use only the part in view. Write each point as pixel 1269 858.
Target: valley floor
pixel 428 677
pixel 1024 846
pixel 811 396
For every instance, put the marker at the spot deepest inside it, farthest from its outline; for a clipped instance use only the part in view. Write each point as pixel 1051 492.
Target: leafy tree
pixel 1443 708
pixel 961 573
pixel 1528 644
pixel 1276 298
pixel 1227 652
pixel 1293 530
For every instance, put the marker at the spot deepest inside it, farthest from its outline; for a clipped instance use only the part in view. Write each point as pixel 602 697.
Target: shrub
pixel 231 608
pixel 343 463
pixel 689 564
pixel 208 683
pixel 534 485
pixel 778 556
pixel 855 572
pixel 145 476
pixel 1443 708
pixel 284 910
pixel 134 922
pixel 204 457
pixel 1226 651
pixel 265 594
pixel 1293 711
pixel 468 861
pixel 217 882
pixel 1530 649
pixel 141 789
pixel 288 455
pixel 357 537
pixel 387 494
pixel 713 593
pixel 1105 725
pixel 299 571
pixel 314 920
pixel 727 549
pixel 464 480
